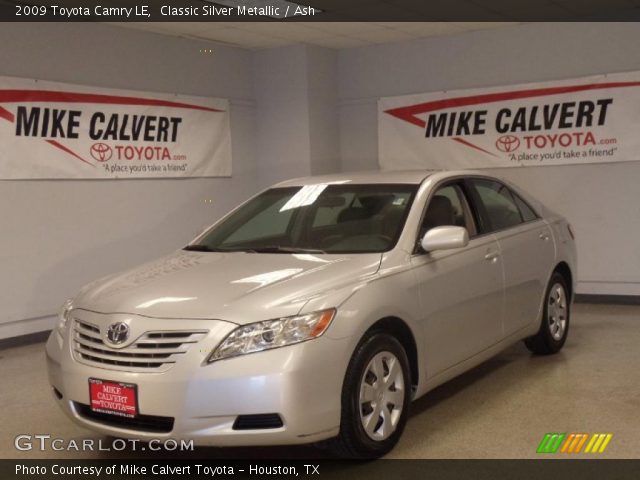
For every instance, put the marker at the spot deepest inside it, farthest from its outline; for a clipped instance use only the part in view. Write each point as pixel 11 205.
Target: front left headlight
pixel 63 316
pixel 259 336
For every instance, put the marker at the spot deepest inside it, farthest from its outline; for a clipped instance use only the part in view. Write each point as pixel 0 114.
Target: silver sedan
pixel 317 310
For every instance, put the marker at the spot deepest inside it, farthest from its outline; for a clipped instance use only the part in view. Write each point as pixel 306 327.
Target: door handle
pixel 543 236
pixel 491 256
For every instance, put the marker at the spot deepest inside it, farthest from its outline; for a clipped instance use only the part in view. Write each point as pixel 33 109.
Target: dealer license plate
pixel 113 398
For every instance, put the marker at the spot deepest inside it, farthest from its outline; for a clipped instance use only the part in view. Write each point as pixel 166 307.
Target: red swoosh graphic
pixel 68 150
pixel 469 144
pixel 409 113
pixel 13 96
pixel 6 114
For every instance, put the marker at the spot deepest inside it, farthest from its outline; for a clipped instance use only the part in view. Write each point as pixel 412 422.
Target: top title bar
pixel 316 10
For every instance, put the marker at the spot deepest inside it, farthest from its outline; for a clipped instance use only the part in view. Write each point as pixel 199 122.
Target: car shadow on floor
pixel 460 383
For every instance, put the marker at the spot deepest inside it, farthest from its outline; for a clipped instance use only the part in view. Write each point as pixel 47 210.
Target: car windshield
pixel 320 218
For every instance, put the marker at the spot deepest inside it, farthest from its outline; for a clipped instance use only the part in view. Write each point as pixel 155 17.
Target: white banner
pixel 54 130
pixel 586 120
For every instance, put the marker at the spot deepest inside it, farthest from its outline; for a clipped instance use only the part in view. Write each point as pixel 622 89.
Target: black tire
pixel 545 342
pixel 353 441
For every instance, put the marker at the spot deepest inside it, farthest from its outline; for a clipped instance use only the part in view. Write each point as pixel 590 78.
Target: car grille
pixel 141 423
pixel 155 351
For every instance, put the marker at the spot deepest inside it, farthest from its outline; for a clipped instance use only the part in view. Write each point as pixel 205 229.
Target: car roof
pixel 376 177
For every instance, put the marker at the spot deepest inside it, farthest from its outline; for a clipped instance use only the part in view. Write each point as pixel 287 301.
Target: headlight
pixel 259 336
pixel 63 316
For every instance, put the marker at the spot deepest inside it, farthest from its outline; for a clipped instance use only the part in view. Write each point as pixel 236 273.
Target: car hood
pixel 236 286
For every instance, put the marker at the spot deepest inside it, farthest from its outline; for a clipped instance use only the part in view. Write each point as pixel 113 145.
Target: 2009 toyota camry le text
pixel 317 311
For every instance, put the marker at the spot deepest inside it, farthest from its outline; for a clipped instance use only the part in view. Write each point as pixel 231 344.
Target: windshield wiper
pixel 266 249
pixel 280 249
pixel 204 248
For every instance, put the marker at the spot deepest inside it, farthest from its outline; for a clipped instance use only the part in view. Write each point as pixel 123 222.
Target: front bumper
pixel 302 383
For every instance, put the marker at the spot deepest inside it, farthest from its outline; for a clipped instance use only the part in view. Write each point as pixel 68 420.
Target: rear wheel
pixel 555 319
pixel 375 398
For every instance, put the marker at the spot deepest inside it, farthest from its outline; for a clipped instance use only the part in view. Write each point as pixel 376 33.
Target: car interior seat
pixel 439 213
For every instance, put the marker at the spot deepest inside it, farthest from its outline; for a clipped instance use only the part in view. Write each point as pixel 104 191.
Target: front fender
pixel 389 294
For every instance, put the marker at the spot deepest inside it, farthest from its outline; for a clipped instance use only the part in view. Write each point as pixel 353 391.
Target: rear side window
pixel 499 204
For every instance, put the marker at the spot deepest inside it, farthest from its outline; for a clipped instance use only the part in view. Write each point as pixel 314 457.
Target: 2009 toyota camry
pixel 319 309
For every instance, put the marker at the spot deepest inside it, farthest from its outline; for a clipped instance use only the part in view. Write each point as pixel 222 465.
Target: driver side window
pixel 448 206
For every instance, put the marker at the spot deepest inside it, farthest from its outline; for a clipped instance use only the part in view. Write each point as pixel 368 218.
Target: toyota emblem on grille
pixel 118 333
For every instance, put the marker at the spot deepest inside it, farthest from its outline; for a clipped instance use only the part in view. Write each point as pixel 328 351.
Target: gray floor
pixel 501 409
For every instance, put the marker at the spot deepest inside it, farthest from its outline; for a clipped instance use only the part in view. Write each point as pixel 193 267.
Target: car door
pixel 460 290
pixel 526 248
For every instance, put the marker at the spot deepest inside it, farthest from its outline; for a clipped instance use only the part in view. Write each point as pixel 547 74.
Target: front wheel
pixel 555 319
pixel 375 398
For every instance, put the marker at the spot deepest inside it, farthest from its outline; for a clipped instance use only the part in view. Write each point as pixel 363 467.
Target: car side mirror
pixel 445 238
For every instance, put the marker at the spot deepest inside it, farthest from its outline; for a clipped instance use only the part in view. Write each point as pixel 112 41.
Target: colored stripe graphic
pixel 550 442
pixel 598 443
pixel 568 442
pixel 581 443
pixel 573 443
